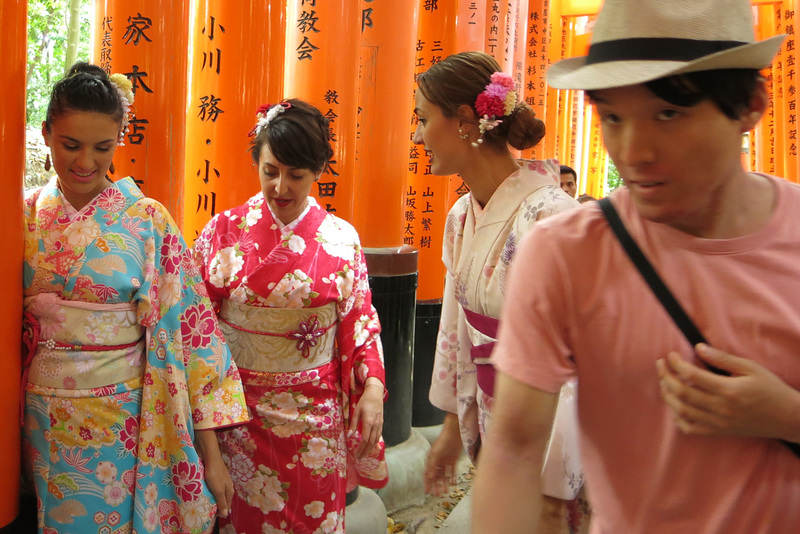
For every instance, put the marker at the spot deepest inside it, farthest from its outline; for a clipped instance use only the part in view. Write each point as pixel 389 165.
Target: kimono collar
pixel 287 228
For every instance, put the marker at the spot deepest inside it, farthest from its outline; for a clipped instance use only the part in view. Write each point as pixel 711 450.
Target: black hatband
pixel 656 49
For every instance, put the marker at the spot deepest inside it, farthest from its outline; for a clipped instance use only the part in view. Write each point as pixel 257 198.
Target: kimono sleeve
pixel 203 250
pixel 443 392
pixel 187 354
pixel 359 326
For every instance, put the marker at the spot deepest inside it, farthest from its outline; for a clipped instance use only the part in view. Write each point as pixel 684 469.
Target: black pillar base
pixel 351 496
pixel 426 331
pixel 25 522
pixel 393 281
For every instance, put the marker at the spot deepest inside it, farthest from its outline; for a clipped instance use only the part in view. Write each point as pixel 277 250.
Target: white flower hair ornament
pixel 498 100
pixel 124 89
pixel 265 114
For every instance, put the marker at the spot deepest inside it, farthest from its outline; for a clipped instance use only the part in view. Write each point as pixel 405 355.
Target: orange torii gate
pixel 247 69
pixel 13 48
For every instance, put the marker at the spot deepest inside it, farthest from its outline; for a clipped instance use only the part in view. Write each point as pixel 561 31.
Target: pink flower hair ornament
pixel 498 100
pixel 265 114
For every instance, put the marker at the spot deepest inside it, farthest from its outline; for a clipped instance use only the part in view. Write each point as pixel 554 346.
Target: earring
pixel 461 134
pixel 47 164
pixel 476 143
pixel 111 169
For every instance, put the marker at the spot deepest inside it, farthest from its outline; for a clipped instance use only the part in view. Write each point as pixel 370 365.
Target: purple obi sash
pixel 488 327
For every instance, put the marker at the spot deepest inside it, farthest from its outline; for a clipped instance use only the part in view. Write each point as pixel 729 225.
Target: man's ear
pixel 759 102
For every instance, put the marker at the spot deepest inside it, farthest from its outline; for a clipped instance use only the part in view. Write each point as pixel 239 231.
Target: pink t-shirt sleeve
pixel 532 345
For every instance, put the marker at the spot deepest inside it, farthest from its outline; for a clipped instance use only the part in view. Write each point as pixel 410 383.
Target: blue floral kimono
pixel 124 362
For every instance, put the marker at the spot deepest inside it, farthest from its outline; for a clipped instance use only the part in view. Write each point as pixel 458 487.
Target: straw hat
pixel 636 41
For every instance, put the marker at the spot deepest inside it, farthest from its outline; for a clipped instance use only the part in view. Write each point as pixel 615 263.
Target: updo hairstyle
pixel 85 87
pixel 459 79
pixel 298 137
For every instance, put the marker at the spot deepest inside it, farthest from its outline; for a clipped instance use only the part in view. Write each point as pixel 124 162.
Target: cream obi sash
pixel 81 345
pixel 279 340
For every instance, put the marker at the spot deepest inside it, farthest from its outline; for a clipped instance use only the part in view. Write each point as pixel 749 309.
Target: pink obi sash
pixel 488 327
pixel 79 345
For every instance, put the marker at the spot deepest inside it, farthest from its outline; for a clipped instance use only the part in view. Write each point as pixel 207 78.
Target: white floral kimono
pixel 479 245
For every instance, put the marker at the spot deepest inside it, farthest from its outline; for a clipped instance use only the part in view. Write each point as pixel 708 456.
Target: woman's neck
pixel 487 171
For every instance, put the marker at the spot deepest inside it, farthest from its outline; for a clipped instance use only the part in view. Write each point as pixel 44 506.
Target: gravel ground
pixel 427 518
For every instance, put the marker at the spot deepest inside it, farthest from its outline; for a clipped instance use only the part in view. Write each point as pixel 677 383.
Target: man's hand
pixel 751 402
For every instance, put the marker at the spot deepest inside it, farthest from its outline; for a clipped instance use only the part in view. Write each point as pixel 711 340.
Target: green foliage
pixel 47 49
pixel 613 179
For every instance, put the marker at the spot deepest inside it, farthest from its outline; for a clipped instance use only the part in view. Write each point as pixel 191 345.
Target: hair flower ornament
pixel 265 114
pixel 124 88
pixel 498 100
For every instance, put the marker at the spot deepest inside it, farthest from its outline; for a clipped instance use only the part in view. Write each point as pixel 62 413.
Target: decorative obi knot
pixel 279 339
pixel 80 345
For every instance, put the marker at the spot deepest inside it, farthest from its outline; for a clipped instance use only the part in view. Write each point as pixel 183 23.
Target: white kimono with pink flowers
pixel 479 245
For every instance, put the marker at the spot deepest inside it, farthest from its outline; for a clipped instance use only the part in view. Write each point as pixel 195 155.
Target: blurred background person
pixel 569 180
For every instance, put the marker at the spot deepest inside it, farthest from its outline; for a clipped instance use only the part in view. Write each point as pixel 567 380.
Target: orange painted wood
pixel 388 41
pixel 534 89
pixel 147 41
pixel 13 50
pixel 428 197
pixel 470 25
pixel 321 67
pixel 236 65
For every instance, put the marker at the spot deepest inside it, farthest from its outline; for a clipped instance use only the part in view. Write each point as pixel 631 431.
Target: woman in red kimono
pixel 289 283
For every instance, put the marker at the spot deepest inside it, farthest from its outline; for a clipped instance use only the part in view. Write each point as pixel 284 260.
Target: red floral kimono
pixel 295 306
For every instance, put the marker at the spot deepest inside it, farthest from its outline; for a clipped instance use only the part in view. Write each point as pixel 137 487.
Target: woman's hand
pixel 752 402
pixel 440 466
pixel 369 411
pixel 218 479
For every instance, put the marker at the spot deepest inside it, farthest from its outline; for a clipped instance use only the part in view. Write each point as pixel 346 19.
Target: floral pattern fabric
pixel 479 245
pixel 120 457
pixel 292 464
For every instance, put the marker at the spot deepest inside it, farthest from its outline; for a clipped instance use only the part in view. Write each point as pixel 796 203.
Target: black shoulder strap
pixel 650 275
pixel 660 289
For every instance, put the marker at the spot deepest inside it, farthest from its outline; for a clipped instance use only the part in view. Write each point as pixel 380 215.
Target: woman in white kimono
pixel 468 116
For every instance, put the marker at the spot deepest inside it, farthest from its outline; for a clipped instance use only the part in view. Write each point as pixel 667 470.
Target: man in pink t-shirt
pixel 668 446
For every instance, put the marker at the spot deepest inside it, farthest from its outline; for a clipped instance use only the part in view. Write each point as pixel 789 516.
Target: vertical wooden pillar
pixel 470 25
pixel 566 98
pixel 13 50
pixel 594 171
pixel 427 197
pixel 553 98
pixel 236 65
pixel 520 8
pixel 582 167
pixel 147 41
pixel 768 162
pixel 536 63
pixel 389 31
pixel 322 44
pixel 788 60
pixel 496 27
pixel 778 109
